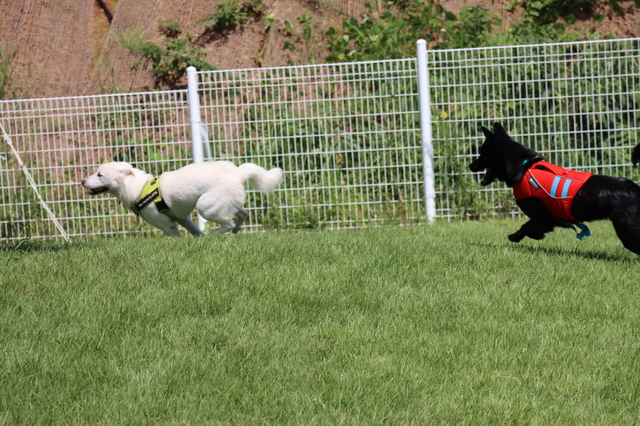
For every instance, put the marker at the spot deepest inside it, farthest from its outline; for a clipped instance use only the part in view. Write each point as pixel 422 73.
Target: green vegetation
pixel 170 60
pixel 12 85
pixel 6 71
pixel 393 33
pixel 170 29
pixel 449 324
pixel 230 13
pixel 389 31
pixel 362 40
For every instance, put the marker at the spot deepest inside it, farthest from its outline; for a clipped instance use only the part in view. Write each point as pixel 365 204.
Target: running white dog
pixel 216 189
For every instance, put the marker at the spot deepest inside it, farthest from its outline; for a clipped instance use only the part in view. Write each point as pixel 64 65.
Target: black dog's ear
pixel 487 132
pixel 498 129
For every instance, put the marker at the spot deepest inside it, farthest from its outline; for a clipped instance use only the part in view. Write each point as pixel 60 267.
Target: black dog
pixel 598 197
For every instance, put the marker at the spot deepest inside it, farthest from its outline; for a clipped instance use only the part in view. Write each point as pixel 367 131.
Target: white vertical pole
pixel 196 123
pixel 426 131
pixel 194 114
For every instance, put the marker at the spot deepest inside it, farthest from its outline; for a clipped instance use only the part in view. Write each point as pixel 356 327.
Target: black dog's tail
pixel 635 155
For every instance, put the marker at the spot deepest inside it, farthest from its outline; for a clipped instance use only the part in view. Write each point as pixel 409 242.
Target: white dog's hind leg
pixel 216 208
pixel 241 216
pixel 224 227
pixel 190 226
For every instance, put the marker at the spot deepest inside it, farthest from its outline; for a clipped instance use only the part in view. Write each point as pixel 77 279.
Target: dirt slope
pixel 68 47
pixel 46 35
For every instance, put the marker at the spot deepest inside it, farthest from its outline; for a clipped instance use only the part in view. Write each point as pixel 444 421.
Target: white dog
pixel 216 189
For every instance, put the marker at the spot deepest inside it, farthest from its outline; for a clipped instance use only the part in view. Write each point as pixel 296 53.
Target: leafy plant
pixel 230 13
pixel 7 68
pixel 305 21
pixel 543 12
pixel 169 61
pixel 12 84
pixel 169 28
pixel 386 37
pixel 471 29
pixel 393 34
pixel 302 38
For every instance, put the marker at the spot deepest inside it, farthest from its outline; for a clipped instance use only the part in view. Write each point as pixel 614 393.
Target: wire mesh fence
pixel 576 103
pixel 62 140
pixel 346 135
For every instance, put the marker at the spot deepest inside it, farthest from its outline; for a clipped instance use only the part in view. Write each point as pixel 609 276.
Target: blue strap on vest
pixel 584 229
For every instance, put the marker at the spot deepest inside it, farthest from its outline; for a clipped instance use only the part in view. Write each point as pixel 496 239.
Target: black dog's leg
pixel 541 220
pixel 628 229
pixel 530 229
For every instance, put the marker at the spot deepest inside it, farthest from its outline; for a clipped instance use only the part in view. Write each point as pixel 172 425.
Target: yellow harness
pixel 151 193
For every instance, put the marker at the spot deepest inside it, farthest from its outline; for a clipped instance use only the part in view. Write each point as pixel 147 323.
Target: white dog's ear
pixel 125 169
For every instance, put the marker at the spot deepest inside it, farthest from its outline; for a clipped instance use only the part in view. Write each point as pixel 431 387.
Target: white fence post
pixel 196 123
pixel 426 132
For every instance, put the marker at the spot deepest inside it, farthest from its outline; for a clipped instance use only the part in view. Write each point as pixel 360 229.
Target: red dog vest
pixel 554 185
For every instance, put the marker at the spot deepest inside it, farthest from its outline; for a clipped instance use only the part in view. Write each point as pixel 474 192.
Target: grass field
pixel 445 324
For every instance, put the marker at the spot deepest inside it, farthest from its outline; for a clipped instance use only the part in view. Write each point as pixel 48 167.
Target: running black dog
pixel 552 196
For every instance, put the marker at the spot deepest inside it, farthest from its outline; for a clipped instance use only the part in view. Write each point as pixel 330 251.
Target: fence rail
pixel 348 136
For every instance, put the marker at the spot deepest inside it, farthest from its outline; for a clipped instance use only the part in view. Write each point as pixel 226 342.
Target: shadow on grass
pixel 559 251
pixel 27 246
pixel 586 254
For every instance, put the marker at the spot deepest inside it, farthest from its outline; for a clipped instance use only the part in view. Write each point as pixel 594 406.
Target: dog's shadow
pixel 27 245
pixel 557 251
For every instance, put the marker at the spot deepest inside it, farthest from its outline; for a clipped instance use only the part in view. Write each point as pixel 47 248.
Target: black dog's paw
pixel 516 237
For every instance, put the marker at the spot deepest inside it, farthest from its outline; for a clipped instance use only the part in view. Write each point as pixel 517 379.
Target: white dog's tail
pixel 259 178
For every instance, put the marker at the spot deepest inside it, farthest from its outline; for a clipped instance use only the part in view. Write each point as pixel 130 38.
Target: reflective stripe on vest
pixel 565 187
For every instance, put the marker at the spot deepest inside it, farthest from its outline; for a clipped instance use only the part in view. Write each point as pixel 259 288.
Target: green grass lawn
pixel 449 323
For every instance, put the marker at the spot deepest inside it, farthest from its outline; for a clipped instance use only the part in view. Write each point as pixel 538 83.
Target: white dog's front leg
pixel 160 221
pixel 171 231
pixel 190 226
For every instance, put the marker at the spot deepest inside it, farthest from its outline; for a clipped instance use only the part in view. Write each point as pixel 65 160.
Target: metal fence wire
pixel 576 103
pixel 347 136
pixel 63 140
